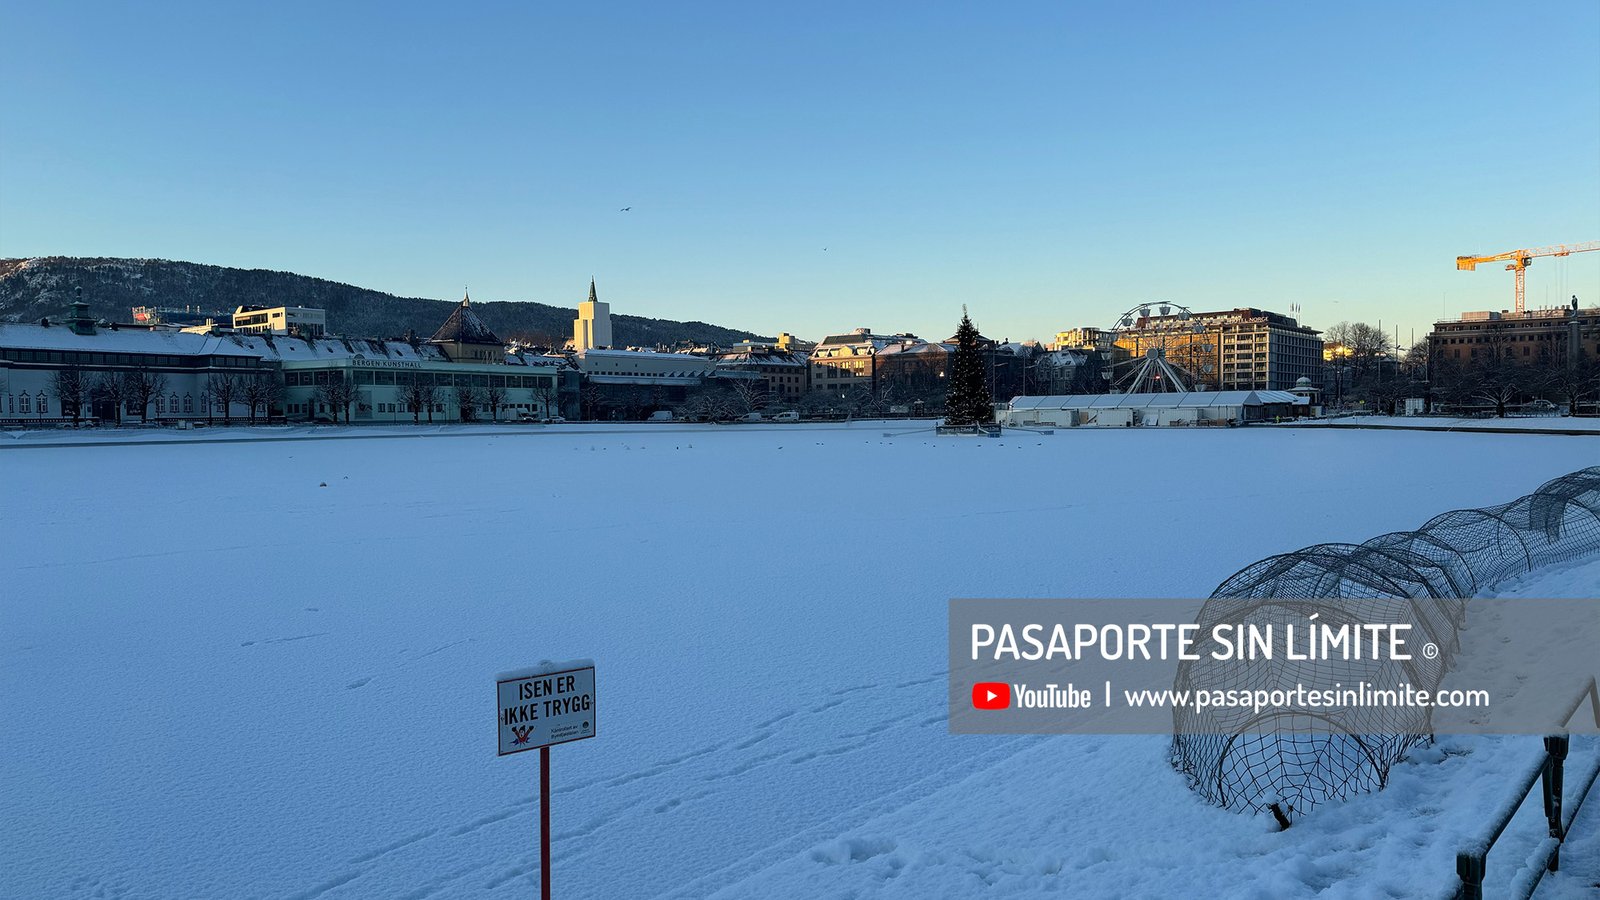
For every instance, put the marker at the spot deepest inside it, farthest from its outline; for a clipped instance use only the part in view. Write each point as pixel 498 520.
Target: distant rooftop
pixel 464 327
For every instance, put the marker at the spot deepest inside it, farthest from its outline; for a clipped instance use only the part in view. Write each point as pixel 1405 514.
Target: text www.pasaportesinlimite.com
pixel 1302 697
pixel 1054 696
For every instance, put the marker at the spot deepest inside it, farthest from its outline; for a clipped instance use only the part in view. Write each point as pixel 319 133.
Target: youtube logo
pixel 991 695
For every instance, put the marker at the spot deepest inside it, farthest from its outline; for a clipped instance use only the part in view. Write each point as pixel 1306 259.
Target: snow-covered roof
pixel 924 347
pixel 295 349
pixel 635 354
pixel 465 327
pixel 735 360
pixel 121 340
pixel 535 359
pixel 864 338
pixel 1171 400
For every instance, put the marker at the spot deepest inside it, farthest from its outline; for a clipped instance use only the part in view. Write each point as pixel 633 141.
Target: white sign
pixel 361 362
pixel 539 708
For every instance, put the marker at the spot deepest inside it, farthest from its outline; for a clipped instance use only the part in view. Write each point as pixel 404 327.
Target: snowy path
pixel 226 680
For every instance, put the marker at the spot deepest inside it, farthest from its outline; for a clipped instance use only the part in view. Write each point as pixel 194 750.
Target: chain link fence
pixel 1245 761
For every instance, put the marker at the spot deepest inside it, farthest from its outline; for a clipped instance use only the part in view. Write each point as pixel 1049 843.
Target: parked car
pixel 789 416
pixel 750 417
pixel 661 415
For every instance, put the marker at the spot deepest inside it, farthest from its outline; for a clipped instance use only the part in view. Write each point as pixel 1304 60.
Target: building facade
pixel 841 363
pixel 135 374
pixel 52 370
pixel 1545 336
pixel 297 320
pixel 785 375
pixel 1237 349
pixel 1085 338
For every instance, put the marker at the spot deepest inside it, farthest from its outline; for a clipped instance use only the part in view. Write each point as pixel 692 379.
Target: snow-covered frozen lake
pixel 225 679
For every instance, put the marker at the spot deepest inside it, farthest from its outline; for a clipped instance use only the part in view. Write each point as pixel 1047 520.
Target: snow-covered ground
pixel 224 679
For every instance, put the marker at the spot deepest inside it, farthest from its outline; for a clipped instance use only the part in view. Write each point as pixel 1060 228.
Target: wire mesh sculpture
pixel 1244 761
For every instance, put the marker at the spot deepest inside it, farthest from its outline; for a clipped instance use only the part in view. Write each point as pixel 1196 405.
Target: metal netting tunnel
pixel 1247 761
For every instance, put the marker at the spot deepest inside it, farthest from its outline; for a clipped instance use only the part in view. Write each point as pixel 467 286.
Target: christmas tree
pixel 968 402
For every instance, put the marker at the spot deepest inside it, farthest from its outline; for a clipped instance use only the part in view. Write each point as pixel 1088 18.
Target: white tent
pixel 1172 408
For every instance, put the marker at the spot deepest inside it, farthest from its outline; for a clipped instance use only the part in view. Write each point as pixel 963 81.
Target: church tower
pixel 591 330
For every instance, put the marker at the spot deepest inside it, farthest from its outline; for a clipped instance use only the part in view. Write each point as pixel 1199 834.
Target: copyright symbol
pixel 1430 650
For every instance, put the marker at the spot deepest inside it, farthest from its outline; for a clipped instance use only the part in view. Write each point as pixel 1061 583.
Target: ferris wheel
pixel 1155 348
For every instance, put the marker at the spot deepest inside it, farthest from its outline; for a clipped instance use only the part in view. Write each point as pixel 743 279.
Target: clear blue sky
pixel 1047 164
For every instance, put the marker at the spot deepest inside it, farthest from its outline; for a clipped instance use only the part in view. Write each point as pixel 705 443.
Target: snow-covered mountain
pixel 31 289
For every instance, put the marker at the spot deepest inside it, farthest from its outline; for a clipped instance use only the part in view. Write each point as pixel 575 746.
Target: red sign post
pixel 551 703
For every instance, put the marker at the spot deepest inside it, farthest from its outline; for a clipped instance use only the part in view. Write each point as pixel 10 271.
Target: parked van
pixel 790 416
pixel 661 415
pixel 749 417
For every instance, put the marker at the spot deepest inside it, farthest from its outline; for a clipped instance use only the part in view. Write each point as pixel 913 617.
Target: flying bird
pixel 625 209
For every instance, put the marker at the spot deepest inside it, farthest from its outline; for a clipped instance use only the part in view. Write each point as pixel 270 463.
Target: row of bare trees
pixel 724 402
pixel 254 392
pixel 78 389
pixel 1502 381
pixel 1497 376
pixel 420 396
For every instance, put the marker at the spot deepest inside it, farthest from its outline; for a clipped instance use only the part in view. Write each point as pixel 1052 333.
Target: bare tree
pixel 467 399
pixel 141 386
pixel 1498 377
pixel 748 395
pixel 495 396
pixel 1361 346
pixel 1574 381
pixel 260 390
pixel 338 392
pixel 111 388
pixel 223 391
pixel 411 394
pixel 1451 382
pixel 71 386
pixel 1415 361
pixel 860 401
pixel 816 404
pixel 545 394
pixel 589 401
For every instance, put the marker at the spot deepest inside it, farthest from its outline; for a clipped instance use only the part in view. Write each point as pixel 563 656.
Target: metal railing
pixel 1549 771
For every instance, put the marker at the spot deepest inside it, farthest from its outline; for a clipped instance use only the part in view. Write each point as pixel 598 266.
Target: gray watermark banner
pixel 1249 665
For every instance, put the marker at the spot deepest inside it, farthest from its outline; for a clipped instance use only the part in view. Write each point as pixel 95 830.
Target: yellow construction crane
pixel 1521 259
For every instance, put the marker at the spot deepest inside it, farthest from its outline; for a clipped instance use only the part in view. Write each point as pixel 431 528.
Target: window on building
pixel 188 403
pixel 161 406
pixel 24 404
